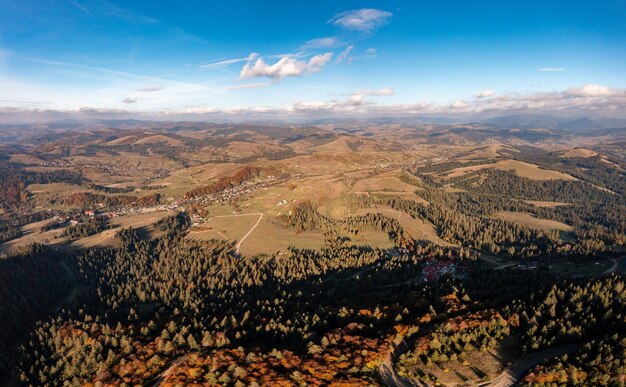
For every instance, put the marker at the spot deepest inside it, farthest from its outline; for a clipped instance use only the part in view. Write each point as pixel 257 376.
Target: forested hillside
pixel 184 255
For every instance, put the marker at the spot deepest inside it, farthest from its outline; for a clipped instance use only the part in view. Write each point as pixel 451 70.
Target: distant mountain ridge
pixel 545 121
pixel 521 121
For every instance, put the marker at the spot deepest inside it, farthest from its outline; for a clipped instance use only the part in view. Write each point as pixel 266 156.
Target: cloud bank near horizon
pixel 587 99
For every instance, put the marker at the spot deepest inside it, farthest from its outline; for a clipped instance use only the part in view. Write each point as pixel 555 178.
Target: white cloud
pixel 343 55
pixel 316 44
pixel 551 69
pixel 592 90
pixel 588 99
pixel 364 19
pixel 130 100
pixel 485 94
pixel 353 104
pixel 287 66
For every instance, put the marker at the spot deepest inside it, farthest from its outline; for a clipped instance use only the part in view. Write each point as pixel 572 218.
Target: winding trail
pixel 238 246
pixel 70 297
pixel 233 216
pixel 508 378
pixel 495 261
pixel 615 263
pixel 390 377
pixel 513 374
pixel 386 371
pixel 249 232
pixel 171 366
pixel 612 268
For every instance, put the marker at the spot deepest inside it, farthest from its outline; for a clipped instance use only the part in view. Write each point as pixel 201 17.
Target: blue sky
pixel 313 57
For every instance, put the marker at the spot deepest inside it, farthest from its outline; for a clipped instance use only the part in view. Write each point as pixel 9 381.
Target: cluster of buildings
pixel 141 210
pixel 528 265
pixel 236 191
pixel 53 163
pixel 434 269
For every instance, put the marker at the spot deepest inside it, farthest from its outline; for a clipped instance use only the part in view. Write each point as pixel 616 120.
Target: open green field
pixel 484 152
pixel 107 237
pixel 32 234
pixel 268 238
pixel 183 180
pixel 228 227
pixel 384 182
pixel 417 229
pixel 575 269
pixel 521 168
pixel 41 193
pixel 530 220
pixel 543 203
pixel 371 238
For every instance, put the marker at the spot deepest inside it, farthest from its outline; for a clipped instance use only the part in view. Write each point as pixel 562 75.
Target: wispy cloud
pixel 76 4
pixel 387 91
pixel 371 53
pixel 485 94
pixel 244 86
pixel 117 74
pixel 108 9
pixel 551 69
pixel 345 54
pixel 23 102
pixel 287 66
pixel 149 89
pixel 88 67
pixel 129 100
pixel 363 20
pixel 112 88
pixel 322 43
pixel 225 63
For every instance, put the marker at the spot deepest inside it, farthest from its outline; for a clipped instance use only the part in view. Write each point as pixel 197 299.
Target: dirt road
pixel 70 297
pixel 508 378
pixel 515 373
pixel 249 232
pixel 171 366
pixel 238 246
pixel 387 372
pixel 616 262
pixel 390 377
